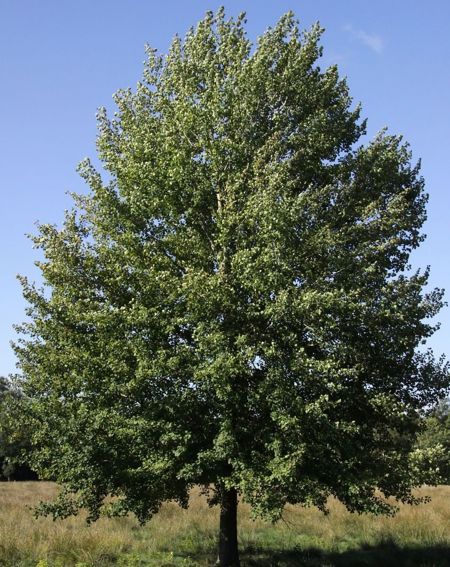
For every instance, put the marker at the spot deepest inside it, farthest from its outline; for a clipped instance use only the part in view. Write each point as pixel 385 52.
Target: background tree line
pixel 14 440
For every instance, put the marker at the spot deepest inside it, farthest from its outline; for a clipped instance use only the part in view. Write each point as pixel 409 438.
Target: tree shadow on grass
pixel 386 554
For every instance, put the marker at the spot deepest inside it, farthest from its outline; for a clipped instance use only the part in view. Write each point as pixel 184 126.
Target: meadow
pixel 418 535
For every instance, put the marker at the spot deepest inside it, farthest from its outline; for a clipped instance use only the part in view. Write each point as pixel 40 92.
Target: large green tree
pixel 230 305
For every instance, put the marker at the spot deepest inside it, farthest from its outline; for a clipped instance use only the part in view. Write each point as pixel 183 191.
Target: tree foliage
pixel 231 303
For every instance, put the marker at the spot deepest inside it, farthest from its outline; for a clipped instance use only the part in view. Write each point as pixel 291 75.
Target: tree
pixel 436 437
pixel 14 440
pixel 232 305
pixel 4 392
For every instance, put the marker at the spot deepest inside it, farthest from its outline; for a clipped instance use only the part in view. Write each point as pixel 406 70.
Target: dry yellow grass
pixel 25 540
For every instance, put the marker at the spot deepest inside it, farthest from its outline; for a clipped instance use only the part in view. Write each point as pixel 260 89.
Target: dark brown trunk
pixel 228 543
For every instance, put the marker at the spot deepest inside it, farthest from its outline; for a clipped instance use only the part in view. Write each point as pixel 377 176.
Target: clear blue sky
pixel 60 60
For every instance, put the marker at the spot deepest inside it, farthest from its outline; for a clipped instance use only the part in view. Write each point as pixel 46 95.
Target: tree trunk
pixel 228 543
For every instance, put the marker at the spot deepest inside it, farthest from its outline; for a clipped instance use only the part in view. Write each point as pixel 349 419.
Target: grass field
pixel 416 536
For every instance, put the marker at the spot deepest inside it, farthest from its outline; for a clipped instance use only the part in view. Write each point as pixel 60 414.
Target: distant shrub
pixel 437 433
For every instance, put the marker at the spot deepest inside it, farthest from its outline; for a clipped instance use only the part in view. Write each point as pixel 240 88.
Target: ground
pixel 418 535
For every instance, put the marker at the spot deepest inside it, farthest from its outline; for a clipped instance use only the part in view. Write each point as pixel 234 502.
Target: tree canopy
pixel 231 303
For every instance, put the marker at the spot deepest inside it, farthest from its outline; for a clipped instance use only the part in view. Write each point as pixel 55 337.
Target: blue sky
pixel 61 60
